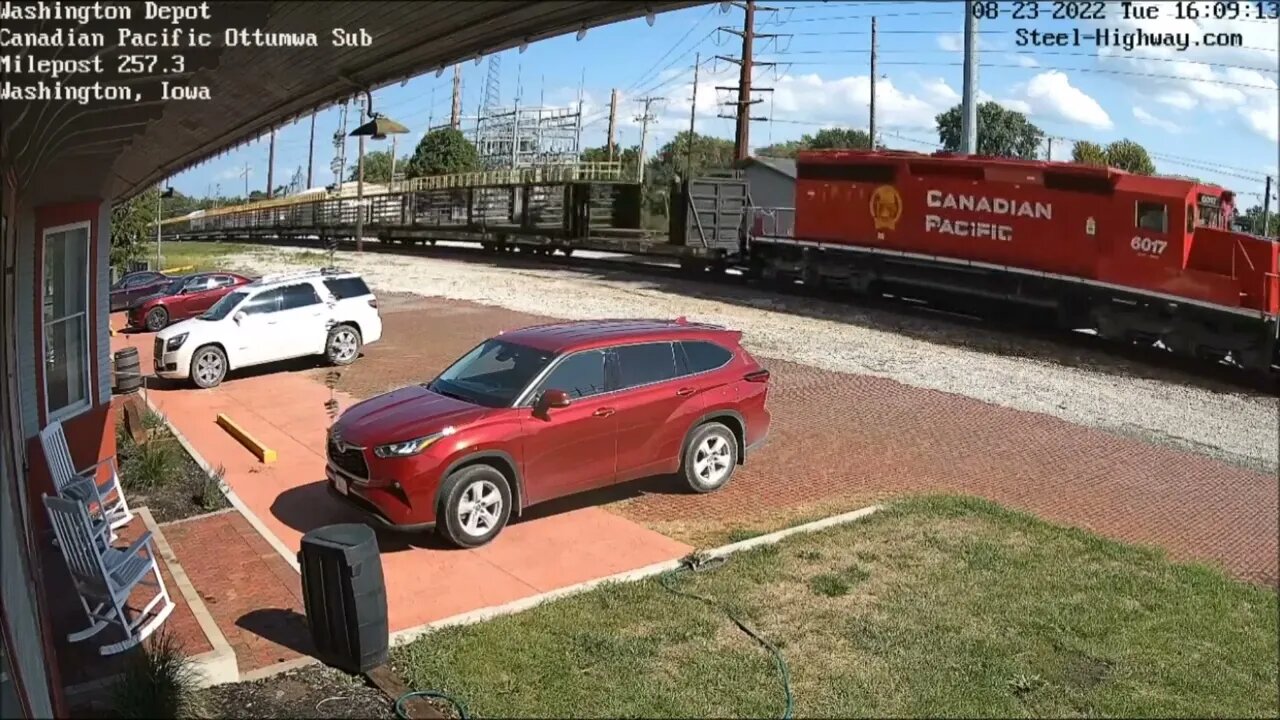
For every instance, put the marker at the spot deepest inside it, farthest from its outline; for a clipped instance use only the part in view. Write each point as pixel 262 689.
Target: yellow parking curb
pixel 264 453
pixel 184 268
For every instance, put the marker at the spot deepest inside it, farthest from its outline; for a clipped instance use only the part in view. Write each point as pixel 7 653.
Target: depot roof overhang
pixel 65 150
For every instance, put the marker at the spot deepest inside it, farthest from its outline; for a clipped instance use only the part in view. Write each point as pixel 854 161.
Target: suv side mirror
pixel 552 398
pixel 238 317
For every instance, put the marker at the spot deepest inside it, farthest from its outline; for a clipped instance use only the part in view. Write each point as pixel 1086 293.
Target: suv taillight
pixel 758 376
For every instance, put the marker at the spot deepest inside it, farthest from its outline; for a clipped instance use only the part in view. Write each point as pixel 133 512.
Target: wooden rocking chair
pixel 106 497
pixel 108 576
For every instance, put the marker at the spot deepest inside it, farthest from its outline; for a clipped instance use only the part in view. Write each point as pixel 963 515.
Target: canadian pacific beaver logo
pixel 886 207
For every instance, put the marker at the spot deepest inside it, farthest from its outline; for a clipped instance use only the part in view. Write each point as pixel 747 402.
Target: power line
pixel 1014 66
pixel 844 51
pixel 644 77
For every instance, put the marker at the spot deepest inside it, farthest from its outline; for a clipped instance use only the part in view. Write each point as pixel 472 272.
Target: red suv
pixel 183 297
pixel 548 411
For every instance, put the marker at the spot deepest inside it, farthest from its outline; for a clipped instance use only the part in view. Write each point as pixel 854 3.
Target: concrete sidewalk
pixel 287 412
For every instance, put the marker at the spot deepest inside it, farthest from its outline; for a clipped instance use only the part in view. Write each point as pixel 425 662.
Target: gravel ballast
pixel 1085 387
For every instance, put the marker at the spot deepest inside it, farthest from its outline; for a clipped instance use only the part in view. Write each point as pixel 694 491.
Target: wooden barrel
pixel 128 371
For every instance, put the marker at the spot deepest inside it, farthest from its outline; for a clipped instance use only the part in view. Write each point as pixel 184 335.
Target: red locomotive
pixel 1136 258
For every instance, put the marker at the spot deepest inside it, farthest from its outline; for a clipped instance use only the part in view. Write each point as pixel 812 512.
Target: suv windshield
pixel 493 374
pixel 223 307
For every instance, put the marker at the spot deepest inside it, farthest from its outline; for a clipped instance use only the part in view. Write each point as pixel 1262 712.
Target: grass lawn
pixel 936 606
pixel 202 255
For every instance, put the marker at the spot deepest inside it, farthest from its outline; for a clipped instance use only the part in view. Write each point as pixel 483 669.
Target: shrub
pixel 158 682
pixel 152 465
pixel 209 494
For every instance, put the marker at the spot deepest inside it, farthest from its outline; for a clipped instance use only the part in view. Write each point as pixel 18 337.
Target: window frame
pixel 317 299
pixel 684 355
pixel 1137 216
pixel 677 361
pixel 74 409
pixel 532 389
pixel 255 296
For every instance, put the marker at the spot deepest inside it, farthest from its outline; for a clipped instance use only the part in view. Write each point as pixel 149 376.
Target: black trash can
pixel 345 596
pixel 128 371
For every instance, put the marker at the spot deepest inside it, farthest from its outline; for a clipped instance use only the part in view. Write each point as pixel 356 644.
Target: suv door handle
pixel 603 412
pixel 686 391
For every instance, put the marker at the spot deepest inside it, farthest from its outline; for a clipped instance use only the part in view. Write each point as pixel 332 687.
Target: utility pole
pixel 746 64
pixel 645 118
pixel 360 182
pixel 311 152
pixel 1048 155
pixel 271 164
pixel 392 183
pixel 339 165
pixel 693 114
pixel 873 83
pixel 1266 209
pixel 245 174
pixel 613 120
pixel 969 113
pixel 455 115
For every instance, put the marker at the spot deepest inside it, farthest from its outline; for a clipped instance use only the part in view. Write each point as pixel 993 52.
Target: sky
pixel 1206 112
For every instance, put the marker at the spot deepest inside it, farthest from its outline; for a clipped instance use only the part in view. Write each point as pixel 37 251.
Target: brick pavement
pixel 841 441
pixel 254 596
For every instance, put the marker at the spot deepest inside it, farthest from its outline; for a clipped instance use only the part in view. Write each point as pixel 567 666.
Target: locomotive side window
pixel 1152 216
pixel 1191 218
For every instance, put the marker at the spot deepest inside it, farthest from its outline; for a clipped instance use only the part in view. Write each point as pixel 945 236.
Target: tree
pixel 824 139
pixel 1251 220
pixel 1122 154
pixel 709 153
pixel 1001 132
pixel 1088 153
pixel 442 152
pixel 1130 156
pixel 133 225
pixel 377 167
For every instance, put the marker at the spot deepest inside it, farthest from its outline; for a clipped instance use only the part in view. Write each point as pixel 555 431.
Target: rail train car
pixel 1136 258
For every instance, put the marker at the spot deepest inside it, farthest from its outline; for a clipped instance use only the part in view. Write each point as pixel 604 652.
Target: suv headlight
pixel 411 447
pixel 175 342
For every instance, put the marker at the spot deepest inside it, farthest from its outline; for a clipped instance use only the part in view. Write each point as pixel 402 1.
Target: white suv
pixel 277 317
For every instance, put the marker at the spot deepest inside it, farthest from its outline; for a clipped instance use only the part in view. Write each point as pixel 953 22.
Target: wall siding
pixel 22 622
pixel 26 277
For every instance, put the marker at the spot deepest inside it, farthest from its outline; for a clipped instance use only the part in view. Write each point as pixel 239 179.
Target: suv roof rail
pixel 300 274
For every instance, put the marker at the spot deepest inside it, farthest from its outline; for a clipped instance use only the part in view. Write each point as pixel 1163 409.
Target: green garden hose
pixel 695 563
pixel 457 704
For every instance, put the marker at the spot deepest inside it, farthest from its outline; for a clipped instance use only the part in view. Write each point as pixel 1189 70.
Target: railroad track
pixel 1070 348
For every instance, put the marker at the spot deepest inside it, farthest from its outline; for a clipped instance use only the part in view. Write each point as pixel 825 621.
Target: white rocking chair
pixel 108 576
pixel 66 480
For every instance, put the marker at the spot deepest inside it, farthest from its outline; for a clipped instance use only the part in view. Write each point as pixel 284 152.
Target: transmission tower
pixel 339 164
pixel 493 83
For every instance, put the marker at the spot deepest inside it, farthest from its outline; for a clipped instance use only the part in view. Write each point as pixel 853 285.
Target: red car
pixel 548 411
pixel 185 297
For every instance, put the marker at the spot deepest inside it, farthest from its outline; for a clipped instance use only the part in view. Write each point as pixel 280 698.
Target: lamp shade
pixel 379 128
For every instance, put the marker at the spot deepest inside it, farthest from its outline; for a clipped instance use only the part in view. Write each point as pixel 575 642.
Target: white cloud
pixel 1201 77
pixel 951 42
pixel 1026 61
pixel 801 103
pixel 1147 118
pixel 1051 94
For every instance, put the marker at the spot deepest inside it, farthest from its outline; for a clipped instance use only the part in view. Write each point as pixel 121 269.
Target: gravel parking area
pixel 1083 387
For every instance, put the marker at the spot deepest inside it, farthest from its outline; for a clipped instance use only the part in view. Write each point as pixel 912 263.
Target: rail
pixel 536 175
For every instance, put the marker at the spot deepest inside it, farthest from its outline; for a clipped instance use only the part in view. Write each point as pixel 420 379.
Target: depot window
pixel 1152 216
pixel 66 320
